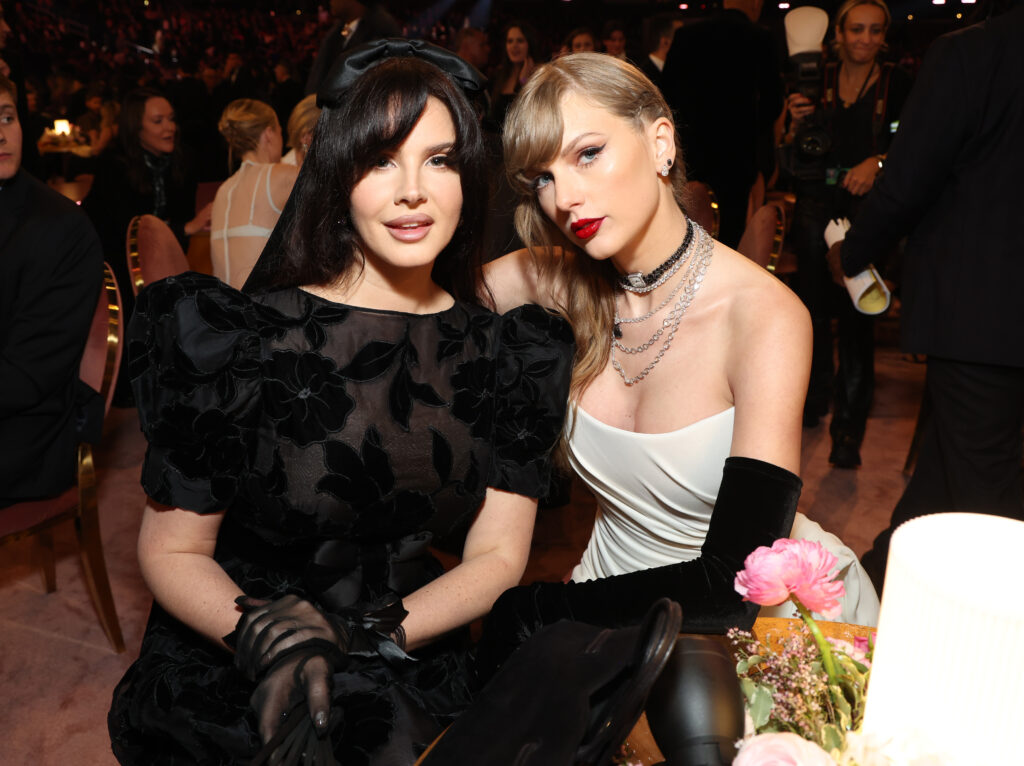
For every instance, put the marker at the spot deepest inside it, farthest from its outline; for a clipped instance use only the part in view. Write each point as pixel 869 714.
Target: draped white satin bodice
pixel 655 492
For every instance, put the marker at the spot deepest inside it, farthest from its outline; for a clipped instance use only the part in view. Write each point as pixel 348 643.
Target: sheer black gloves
pixel 292 649
pixel 293 703
pixel 269 631
pixel 756 505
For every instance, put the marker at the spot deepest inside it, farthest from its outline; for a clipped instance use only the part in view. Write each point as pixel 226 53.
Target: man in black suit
pixel 953 179
pixel 660 31
pixel 356 23
pixel 51 269
pixel 722 79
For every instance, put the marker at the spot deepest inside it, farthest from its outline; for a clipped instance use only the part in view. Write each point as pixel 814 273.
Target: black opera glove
pixel 756 505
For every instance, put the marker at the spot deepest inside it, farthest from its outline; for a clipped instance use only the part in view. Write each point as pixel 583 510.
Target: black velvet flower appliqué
pixel 315 321
pixel 365 481
pixel 207 450
pixel 474 388
pixel 305 394
pixel 453 338
pixel 376 358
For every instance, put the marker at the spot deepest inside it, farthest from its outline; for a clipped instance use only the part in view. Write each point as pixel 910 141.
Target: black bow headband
pixel 351 64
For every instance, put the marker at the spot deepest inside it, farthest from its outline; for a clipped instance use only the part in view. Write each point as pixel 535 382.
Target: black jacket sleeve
pixel 919 162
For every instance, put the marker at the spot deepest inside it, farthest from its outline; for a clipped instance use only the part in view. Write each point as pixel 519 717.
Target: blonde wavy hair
pixel 532 139
pixel 242 123
pixel 301 120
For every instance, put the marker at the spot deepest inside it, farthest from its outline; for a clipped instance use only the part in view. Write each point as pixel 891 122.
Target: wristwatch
pixel 881 160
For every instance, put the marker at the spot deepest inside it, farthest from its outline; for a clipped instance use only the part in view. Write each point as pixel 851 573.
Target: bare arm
pixel 768 368
pixel 176 556
pixel 494 560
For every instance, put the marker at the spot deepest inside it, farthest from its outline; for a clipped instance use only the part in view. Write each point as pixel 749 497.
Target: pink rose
pixel 797 567
pixel 854 651
pixel 781 749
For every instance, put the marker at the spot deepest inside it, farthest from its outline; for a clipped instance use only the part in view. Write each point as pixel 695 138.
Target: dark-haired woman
pixel 143 172
pixel 514 70
pixel 310 438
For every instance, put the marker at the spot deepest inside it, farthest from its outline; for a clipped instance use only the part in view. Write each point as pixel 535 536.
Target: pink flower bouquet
pixel 796 569
pixel 810 688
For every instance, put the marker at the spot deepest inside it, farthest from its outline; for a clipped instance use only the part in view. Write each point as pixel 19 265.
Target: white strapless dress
pixel 655 495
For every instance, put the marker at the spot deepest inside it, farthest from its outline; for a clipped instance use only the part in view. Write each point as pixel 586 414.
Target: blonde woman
pixel 248 204
pixel 300 130
pixel 691 364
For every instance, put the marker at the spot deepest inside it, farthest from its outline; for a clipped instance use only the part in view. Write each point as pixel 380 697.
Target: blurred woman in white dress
pixel 248 204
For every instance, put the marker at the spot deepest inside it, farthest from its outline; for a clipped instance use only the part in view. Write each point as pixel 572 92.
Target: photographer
pixel 837 146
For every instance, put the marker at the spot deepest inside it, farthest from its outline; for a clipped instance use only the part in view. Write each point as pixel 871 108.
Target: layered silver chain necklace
pixel 689 283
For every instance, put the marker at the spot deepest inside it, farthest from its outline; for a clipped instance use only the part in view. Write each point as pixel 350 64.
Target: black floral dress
pixel 342 443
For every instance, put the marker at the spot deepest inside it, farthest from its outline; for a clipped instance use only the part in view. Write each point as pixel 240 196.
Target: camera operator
pixel 837 148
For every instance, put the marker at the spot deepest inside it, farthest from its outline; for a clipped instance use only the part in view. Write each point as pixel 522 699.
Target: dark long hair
pixel 129 125
pixel 505 67
pixel 377 114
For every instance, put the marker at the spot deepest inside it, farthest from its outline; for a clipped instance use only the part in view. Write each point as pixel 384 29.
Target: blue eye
pixel 590 154
pixel 541 180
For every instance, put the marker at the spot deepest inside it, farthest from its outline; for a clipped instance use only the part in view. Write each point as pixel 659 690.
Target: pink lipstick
pixel 410 228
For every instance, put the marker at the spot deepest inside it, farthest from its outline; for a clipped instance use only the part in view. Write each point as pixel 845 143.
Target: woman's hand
pixel 860 178
pixel 799 107
pixel 302 676
pixel 200 222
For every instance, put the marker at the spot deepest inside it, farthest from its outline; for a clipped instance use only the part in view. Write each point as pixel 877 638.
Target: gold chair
pixel 702 206
pixel 763 238
pixel 77 503
pixel 153 251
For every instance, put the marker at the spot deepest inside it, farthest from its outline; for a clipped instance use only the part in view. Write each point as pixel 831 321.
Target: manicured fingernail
pixel 321 720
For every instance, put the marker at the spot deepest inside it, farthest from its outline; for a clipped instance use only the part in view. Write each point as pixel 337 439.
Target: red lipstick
pixel 585 228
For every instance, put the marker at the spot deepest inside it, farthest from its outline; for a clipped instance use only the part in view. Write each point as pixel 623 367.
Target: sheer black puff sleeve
pixel 193 356
pixel 534 369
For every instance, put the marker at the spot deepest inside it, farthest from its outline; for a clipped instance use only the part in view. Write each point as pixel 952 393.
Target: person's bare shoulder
pixel 282 179
pixel 761 306
pixel 517 278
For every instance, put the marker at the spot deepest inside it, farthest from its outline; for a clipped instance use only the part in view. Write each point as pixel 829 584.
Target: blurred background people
pixel 249 203
pixel 721 77
pixel 861 99
pixel 300 126
pixel 355 23
pixel 580 40
pixel 613 38
pixel 517 64
pixel 144 171
pixel 660 31
pixel 285 91
pixel 472 46
pixel 51 271
pixel 952 181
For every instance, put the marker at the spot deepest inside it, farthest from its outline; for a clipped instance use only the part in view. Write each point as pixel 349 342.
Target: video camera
pixel 804 159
